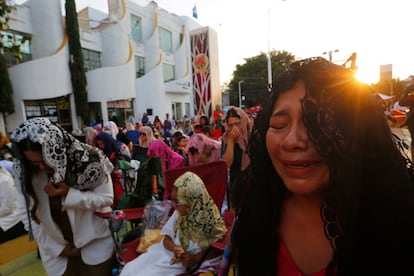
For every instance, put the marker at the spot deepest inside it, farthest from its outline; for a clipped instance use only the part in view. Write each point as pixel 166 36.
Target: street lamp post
pixel 330 53
pixel 240 99
pixel 269 55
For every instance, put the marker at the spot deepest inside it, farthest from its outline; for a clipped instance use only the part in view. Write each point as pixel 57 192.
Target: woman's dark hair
pixel 109 143
pixel 29 170
pixel 181 137
pixel 231 113
pixel 369 200
pixel 205 118
pixel 123 138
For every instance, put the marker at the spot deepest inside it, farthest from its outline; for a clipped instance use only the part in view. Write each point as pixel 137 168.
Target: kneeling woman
pixel 195 223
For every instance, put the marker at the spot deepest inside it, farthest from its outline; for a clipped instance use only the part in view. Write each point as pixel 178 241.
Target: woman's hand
pixel 234 133
pixel 70 251
pixel 59 189
pixel 189 260
pixel 201 158
pixel 178 252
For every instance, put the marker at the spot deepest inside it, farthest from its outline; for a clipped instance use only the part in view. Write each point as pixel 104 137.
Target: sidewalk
pixel 18 257
pixel 35 268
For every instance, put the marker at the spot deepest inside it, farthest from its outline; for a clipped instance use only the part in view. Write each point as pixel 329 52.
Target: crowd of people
pixel 317 182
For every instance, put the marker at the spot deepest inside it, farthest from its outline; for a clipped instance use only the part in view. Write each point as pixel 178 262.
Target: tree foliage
pixel 255 77
pixel 385 87
pixel 77 70
pixel 9 43
pixel 6 88
pixel 5 10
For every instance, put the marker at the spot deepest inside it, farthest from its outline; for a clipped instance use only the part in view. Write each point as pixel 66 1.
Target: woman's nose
pixel 297 137
pixel 42 166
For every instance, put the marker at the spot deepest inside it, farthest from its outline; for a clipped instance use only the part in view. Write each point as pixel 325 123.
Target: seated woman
pixel 170 158
pixel 202 149
pixel 195 223
pixel 108 145
pixel 146 136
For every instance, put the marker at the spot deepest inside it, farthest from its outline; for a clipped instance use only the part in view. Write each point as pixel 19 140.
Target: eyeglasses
pixel 143 134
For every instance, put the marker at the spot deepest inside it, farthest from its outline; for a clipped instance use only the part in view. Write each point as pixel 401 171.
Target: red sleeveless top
pixel 287 266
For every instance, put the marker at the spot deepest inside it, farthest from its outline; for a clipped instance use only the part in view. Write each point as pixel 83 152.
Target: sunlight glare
pixel 367 75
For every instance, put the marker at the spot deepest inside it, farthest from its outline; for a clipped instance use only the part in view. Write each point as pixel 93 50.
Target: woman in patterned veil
pixel 62 183
pixel 328 192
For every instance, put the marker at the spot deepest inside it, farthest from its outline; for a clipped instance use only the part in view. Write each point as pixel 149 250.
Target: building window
pixel 165 37
pixel 139 67
pixel 57 110
pixel 91 59
pixel 168 72
pixel 11 38
pixel 177 110
pixel 136 28
pixel 187 109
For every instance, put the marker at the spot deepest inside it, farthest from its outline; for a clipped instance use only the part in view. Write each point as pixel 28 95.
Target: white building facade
pixel 139 59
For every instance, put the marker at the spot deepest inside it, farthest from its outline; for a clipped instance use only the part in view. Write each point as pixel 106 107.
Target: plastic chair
pixel 213 174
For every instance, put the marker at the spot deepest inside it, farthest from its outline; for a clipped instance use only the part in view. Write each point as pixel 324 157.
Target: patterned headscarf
pixel 203 223
pixel 246 127
pixel 80 165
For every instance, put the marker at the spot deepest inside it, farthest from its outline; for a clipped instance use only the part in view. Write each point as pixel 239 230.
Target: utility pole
pixel 240 99
pixel 269 57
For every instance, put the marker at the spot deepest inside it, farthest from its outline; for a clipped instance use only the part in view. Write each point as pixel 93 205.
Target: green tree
pixel 385 86
pixel 77 70
pixel 254 74
pixel 6 89
pixel 5 10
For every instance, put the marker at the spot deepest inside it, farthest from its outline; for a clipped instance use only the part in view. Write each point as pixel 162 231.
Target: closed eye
pixel 279 120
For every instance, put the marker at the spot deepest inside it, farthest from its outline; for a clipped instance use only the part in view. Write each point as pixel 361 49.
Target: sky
pixel 379 31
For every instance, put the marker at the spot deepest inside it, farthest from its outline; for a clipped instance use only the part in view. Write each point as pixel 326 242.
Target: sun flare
pixel 367 75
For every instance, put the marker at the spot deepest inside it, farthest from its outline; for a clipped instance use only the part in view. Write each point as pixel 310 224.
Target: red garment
pixel 287 266
pixel 216 133
pixel 218 115
pixel 118 190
